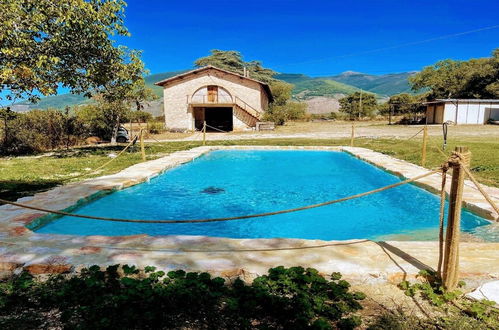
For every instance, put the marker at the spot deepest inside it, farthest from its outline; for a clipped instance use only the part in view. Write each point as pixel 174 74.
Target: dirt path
pixel 336 130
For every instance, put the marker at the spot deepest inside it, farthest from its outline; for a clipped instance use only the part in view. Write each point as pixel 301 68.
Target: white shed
pixel 462 111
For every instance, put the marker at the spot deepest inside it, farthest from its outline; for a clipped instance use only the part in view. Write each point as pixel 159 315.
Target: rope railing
pixel 339 200
pixel 481 190
pixel 216 129
pixel 412 137
pixel 133 141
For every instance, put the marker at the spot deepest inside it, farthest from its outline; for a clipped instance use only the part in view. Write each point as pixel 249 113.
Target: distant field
pixel 24 176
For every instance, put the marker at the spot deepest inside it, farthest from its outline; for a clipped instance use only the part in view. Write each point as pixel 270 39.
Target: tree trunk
pixel 5 132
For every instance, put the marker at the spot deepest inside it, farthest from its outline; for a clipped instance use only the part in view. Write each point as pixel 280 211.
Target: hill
pixel 384 85
pixel 154 78
pixel 306 87
pixel 63 100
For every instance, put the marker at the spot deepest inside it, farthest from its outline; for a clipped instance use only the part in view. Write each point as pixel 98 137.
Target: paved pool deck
pixel 362 260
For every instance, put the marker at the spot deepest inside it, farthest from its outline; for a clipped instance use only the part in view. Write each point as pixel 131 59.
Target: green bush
pixel 40 130
pixel 139 116
pixel 156 127
pixel 129 298
pixel 279 114
pixel 98 119
pixel 328 116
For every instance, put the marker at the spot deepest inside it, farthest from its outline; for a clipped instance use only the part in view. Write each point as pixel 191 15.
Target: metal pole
pixel 360 103
pixel 450 272
pixel 204 133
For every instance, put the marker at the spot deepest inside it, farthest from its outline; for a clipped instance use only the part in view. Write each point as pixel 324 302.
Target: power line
pixel 412 43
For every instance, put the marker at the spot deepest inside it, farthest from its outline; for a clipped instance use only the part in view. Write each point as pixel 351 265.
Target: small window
pixel 212 93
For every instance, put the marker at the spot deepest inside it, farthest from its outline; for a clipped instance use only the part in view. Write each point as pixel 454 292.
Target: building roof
pixel 463 100
pixel 181 76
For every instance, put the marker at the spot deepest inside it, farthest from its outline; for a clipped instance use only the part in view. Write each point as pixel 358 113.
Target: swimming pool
pixel 228 183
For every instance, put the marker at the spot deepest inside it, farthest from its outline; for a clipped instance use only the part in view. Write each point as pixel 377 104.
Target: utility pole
pixel 390 114
pixel 360 103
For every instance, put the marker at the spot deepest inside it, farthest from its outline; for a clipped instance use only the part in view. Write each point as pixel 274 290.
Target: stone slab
pixel 363 260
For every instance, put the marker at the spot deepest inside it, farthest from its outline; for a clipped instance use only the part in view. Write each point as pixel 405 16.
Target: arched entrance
pixel 214 105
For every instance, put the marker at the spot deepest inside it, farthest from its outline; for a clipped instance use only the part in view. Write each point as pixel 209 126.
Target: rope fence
pixel 448 262
pixel 132 142
pixel 335 201
pixel 216 129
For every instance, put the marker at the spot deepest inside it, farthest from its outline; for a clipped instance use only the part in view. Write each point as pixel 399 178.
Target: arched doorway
pixel 214 105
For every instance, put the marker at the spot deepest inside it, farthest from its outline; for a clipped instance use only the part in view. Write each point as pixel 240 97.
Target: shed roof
pixel 181 76
pixel 463 101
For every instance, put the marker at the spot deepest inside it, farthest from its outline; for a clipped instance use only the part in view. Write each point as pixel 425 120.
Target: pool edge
pixel 24 248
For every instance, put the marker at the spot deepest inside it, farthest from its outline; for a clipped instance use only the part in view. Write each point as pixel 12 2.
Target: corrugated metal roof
pixel 463 100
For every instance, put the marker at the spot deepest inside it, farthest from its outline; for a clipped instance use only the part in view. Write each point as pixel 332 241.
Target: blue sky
pixel 317 38
pixel 312 37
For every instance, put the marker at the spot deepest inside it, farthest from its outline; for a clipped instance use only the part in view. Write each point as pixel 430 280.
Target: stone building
pixel 225 100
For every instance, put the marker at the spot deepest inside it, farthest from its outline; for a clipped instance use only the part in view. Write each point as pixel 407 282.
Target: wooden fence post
pixel 204 133
pixel 450 273
pixel 353 134
pixel 131 128
pixel 423 150
pixel 143 152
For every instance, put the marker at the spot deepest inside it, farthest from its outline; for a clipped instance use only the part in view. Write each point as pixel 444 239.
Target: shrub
pixel 41 130
pixel 156 127
pixel 279 114
pixel 296 110
pixel 129 298
pixel 139 116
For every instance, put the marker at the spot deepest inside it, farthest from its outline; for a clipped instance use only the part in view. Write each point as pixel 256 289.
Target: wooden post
pixel 143 152
pixel 352 135
pixel 450 272
pixel 425 141
pixel 204 133
pixel 131 128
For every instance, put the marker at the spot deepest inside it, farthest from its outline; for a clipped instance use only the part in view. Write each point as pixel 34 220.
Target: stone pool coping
pixel 53 253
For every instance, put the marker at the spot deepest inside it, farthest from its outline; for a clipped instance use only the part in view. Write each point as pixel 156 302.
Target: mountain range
pixel 305 87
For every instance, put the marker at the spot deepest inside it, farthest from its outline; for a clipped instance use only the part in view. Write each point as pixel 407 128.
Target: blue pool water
pixel 233 183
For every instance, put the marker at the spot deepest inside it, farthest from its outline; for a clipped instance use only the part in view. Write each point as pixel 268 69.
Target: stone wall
pixel 178 115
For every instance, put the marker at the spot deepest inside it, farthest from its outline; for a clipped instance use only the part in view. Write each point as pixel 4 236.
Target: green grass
pixel 24 176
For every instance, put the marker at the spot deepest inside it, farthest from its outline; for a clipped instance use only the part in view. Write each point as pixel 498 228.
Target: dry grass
pixel 23 176
pixel 381 128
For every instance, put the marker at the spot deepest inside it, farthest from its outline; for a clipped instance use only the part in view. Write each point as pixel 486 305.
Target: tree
pixel 101 116
pixel 281 91
pixel 232 60
pixel 358 105
pixel 124 91
pixel 476 78
pixel 404 103
pixel 48 43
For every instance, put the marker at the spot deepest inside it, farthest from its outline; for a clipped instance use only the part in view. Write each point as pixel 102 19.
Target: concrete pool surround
pixel 38 253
